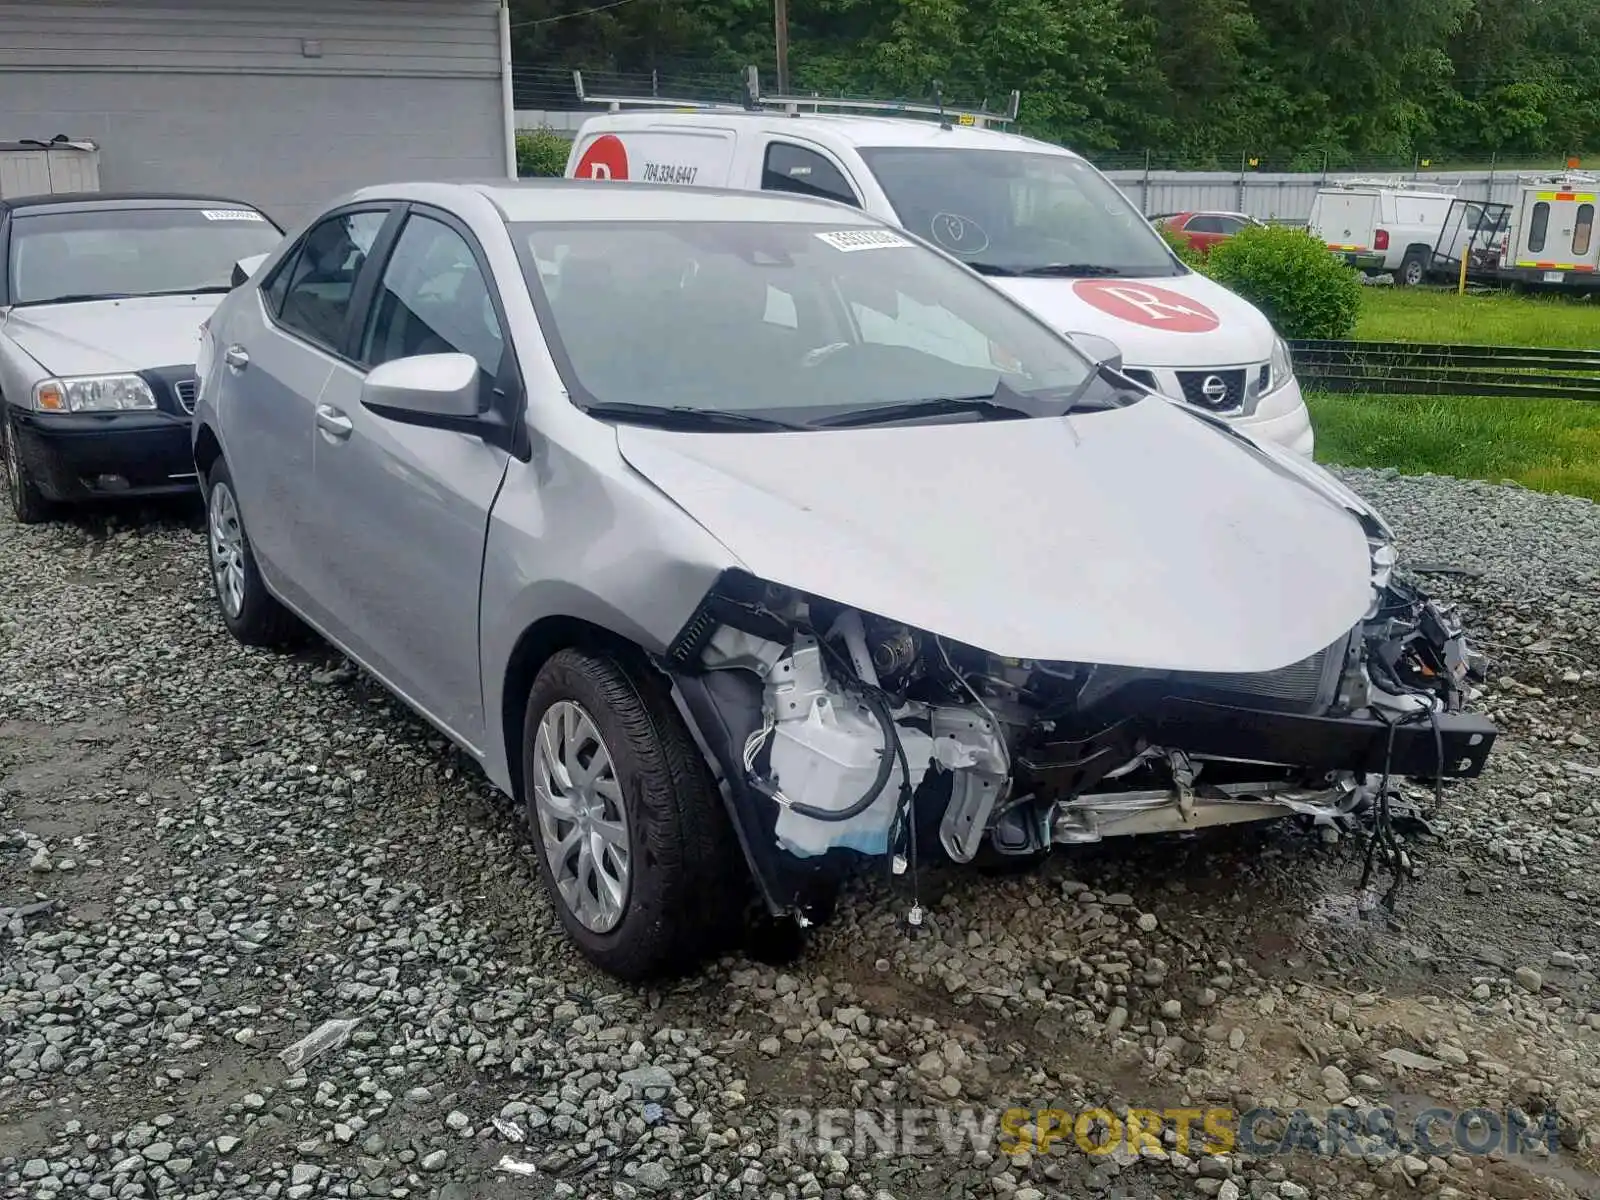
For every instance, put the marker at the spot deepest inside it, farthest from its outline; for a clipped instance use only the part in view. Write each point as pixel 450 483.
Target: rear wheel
pixel 28 503
pixel 1413 270
pixel 635 847
pixel 252 614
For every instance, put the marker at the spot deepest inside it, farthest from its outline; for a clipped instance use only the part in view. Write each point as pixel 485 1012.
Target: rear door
pixel 1346 220
pixel 1555 233
pixel 275 356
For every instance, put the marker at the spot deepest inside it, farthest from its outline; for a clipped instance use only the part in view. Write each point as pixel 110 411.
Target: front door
pixel 403 511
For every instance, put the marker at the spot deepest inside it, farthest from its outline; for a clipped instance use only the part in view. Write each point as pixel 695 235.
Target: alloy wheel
pixel 583 825
pixel 227 548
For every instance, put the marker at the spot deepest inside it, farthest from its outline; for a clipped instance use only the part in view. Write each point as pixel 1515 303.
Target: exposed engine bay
pixel 842 734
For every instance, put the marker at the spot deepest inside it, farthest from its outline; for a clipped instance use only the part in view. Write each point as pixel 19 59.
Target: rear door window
pixel 1583 230
pixel 1538 226
pixel 316 302
pixel 1203 225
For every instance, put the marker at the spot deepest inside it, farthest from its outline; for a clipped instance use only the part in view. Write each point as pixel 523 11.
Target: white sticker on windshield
pixel 231 214
pixel 863 239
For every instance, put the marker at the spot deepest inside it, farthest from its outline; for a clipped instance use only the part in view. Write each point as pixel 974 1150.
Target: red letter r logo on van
pixel 604 159
pixel 1146 304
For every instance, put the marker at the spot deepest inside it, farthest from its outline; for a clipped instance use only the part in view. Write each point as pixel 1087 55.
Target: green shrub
pixel 542 152
pixel 1289 275
pixel 1180 246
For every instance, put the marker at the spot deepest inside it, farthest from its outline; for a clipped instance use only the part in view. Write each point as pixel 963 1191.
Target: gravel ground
pixel 237 847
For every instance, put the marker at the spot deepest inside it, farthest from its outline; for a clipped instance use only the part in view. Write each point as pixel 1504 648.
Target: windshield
pixel 1016 212
pixel 790 321
pixel 113 252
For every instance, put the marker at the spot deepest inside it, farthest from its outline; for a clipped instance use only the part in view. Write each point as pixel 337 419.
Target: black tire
pixel 29 505
pixel 1413 270
pixel 683 902
pixel 261 620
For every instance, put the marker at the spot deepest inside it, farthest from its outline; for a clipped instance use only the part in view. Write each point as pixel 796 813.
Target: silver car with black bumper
pixel 101 300
pixel 688 516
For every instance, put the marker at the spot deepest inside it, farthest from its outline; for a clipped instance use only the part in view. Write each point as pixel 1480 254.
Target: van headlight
pixel 1280 368
pixel 94 394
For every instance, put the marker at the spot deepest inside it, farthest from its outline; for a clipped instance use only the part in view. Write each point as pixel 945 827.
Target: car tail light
pixel 1381 240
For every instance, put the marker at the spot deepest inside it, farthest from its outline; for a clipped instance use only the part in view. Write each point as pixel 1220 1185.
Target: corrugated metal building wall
pixel 284 103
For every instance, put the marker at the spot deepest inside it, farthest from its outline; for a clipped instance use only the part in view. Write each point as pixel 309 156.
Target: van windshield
pixel 798 323
pixel 1009 212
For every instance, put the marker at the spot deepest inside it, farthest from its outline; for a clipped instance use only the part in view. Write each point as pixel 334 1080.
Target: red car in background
pixel 1203 230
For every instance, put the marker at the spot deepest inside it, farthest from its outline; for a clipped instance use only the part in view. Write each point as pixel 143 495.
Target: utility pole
pixel 780 25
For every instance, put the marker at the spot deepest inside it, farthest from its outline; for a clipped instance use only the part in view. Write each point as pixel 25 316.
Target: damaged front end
pixel 839 734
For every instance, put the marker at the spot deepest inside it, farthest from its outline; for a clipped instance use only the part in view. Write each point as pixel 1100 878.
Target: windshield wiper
pixel 77 298
pixel 939 406
pixel 680 417
pixel 988 268
pixel 205 290
pixel 1067 271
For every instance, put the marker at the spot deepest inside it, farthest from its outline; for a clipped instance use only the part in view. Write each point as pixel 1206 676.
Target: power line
pixel 586 12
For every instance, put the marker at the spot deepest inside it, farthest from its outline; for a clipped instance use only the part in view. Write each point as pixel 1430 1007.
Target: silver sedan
pixel 746 539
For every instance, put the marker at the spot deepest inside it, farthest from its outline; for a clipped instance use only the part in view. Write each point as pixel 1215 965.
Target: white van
pixel 1552 239
pixel 1039 220
pixel 1382 226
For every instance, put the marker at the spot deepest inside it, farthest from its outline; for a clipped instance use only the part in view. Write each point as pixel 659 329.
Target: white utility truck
pixel 1382 225
pixel 1552 240
pixel 1037 219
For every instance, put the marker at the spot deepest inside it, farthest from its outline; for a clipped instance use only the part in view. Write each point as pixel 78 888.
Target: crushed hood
pixel 1136 537
pixel 104 337
pixel 1221 329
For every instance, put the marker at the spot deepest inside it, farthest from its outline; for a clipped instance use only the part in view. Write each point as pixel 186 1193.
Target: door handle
pixel 334 423
pixel 236 357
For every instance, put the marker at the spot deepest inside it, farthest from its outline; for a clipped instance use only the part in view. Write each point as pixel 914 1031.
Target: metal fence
pixel 1423 369
pixel 1286 197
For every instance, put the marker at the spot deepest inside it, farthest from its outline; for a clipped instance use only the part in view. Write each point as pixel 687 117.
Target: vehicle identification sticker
pixel 862 239
pixel 669 173
pixel 231 214
pixel 1148 305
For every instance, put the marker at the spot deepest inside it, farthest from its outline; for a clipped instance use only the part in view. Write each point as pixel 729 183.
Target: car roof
pixel 577 200
pixel 92 201
pixel 854 130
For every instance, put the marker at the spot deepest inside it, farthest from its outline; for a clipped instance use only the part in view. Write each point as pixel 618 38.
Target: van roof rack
pixel 1566 175
pixel 1393 184
pixel 618 103
pixel 795 105
pixel 980 117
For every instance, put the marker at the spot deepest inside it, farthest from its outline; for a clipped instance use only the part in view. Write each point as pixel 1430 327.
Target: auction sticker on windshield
pixel 862 239
pixel 1146 304
pixel 230 214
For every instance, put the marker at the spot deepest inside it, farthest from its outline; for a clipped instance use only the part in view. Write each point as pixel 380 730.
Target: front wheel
pixel 28 504
pixel 635 847
pixel 252 614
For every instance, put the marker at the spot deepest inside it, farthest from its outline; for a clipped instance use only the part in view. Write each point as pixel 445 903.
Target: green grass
pixel 1495 319
pixel 1547 445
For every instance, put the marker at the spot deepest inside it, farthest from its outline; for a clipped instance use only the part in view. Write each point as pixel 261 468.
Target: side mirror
pixel 246 267
pixel 1101 351
pixel 426 389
